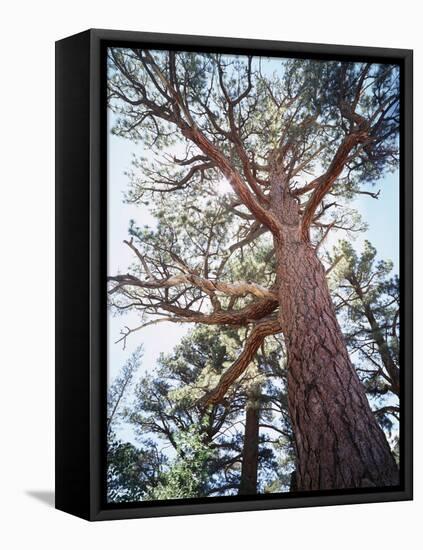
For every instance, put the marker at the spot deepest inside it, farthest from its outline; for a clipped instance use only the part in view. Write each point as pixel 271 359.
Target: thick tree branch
pixel 240 288
pixel 323 184
pixel 262 214
pixel 192 132
pixel 188 277
pixel 262 329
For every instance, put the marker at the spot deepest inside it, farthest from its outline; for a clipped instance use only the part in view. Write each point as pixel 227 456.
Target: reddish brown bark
pixel 250 451
pixel 338 441
pixel 254 341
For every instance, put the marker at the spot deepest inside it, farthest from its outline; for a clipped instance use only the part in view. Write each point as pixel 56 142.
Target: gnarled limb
pixel 232 317
pixel 323 184
pixel 189 277
pixel 232 175
pixel 240 289
pixel 261 329
pixel 177 112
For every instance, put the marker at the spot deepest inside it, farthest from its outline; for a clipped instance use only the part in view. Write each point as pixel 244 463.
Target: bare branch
pixel 240 288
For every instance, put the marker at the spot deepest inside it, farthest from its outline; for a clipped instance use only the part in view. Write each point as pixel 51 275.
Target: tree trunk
pixel 338 441
pixel 248 483
pixel 293 482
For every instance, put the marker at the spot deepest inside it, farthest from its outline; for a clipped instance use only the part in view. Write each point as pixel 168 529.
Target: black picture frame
pixel 81 224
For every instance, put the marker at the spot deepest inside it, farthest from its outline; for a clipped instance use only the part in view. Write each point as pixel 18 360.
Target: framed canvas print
pixel 234 274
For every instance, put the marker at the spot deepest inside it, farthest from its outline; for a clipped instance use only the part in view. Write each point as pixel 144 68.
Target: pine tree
pixel 252 257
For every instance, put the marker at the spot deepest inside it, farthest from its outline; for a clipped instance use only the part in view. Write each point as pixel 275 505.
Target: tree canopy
pixel 248 165
pixel 210 258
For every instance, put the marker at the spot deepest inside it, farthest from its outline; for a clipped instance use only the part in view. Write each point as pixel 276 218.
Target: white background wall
pixel 28 32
